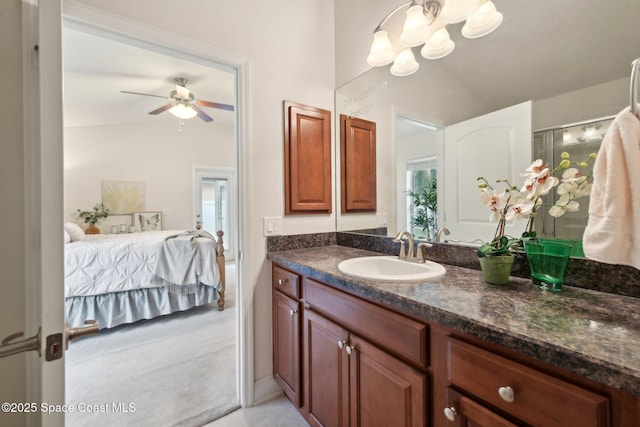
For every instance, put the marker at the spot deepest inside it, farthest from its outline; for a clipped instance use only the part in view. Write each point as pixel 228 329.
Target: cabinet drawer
pixel 538 399
pixel 399 335
pixel 285 281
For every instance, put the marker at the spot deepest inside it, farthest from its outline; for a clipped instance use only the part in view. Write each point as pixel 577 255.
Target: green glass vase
pixel 548 261
pixel 496 268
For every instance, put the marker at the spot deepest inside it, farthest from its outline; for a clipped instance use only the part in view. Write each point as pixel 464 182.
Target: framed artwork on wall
pixel 147 221
pixel 123 197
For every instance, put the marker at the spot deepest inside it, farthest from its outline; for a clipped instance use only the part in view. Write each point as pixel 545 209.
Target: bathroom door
pixel 496 146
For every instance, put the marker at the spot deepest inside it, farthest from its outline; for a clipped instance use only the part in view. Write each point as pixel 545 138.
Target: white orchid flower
pixel 521 209
pixel 496 202
pixel 536 169
pixel 564 204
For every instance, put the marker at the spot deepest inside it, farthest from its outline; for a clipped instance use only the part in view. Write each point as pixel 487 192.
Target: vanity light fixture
pixel 425 24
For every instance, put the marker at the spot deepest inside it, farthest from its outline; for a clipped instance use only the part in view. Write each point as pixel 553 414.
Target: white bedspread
pixel 107 263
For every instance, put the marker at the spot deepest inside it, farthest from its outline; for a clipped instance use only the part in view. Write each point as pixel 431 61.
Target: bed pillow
pixel 67 236
pixel 75 232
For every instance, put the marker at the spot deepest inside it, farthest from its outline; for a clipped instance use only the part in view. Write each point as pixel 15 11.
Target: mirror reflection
pixel 560 61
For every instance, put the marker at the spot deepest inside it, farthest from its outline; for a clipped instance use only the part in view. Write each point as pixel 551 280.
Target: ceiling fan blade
pixel 214 105
pixel 204 116
pixel 144 94
pixel 161 109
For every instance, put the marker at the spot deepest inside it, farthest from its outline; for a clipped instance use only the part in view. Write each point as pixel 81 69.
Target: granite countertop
pixel 593 334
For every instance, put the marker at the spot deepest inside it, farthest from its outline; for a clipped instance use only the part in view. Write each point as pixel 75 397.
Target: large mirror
pixel 571 60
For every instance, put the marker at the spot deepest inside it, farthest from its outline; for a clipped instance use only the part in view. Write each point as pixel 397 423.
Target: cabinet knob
pixel 349 349
pixel 450 413
pixel 292 312
pixel 341 344
pixel 507 394
pixel 282 282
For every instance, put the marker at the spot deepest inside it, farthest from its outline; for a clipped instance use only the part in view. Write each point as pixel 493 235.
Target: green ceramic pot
pixel 496 268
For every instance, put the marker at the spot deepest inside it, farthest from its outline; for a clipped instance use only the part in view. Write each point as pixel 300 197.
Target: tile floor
pixel 277 412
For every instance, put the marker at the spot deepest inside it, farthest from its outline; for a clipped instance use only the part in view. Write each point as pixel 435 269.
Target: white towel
pixel 612 234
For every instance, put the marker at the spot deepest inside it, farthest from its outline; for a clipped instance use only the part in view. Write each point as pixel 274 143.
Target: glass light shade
pixel 416 29
pixel 404 64
pixel 381 52
pixel 568 138
pixel 591 134
pixel 484 21
pixel 182 111
pixel 438 46
pixel 455 11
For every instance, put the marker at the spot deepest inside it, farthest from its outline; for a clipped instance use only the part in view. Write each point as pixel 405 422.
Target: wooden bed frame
pixel 221 264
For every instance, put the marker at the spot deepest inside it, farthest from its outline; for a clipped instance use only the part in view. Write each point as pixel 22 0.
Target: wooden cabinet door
pixel 286 345
pixel 384 391
pixel 307 162
pixel 326 372
pixel 467 413
pixel 357 164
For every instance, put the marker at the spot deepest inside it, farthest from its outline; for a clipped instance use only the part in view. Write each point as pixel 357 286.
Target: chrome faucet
pixel 441 230
pixel 403 253
pixel 421 245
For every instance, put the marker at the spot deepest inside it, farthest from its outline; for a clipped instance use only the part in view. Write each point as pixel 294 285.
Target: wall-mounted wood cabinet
pixel 307 159
pixel 357 164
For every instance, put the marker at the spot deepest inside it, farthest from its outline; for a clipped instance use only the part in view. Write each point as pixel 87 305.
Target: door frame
pixel 50 166
pixel 229 174
pixel 438 127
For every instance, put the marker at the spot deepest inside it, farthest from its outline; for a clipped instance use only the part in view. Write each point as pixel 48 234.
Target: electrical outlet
pixel 272 225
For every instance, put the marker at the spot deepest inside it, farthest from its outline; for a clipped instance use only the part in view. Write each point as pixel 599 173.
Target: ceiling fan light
pixel 404 64
pixel 438 46
pixel 455 11
pixel 182 92
pixel 182 111
pixel 416 29
pixel 381 52
pixel 483 22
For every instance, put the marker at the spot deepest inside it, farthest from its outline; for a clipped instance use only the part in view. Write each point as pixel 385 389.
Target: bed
pixel 111 278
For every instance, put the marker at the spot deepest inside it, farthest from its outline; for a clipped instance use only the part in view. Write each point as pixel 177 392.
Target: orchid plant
pixel 513 203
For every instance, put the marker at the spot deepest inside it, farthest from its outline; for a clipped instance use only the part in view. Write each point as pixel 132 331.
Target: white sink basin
pixel 390 269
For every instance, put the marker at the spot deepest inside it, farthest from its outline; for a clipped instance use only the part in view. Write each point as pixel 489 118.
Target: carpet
pixel 175 370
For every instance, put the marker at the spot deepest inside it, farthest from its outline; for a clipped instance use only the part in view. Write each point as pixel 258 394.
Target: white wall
pixel 12 245
pixel 606 99
pixel 290 47
pixel 157 155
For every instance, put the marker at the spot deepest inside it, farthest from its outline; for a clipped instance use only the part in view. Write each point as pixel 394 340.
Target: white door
pixel 44 203
pixel 214 203
pixel 496 146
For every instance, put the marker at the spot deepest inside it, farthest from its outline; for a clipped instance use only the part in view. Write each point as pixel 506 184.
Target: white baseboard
pixel 265 388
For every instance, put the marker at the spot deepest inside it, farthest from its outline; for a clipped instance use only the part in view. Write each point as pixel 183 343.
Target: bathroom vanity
pixel 450 352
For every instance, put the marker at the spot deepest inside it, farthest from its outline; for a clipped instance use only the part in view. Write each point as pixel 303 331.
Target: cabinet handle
pixel 292 312
pixel 507 394
pixel 450 413
pixel 341 344
pixel 349 349
pixel 282 282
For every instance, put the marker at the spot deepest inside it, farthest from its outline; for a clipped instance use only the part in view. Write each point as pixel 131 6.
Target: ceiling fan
pixel 183 104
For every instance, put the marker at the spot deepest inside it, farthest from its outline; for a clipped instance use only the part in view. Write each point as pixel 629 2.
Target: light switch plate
pixel 382 219
pixel 272 226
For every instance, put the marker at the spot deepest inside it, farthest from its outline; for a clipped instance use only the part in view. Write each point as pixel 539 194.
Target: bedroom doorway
pixel 214 206
pixel 128 145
